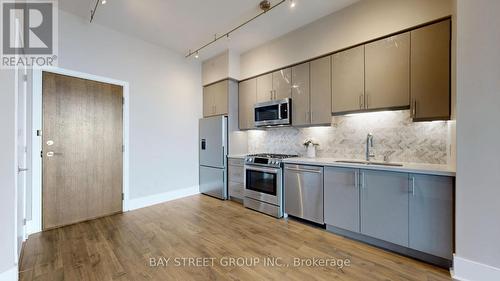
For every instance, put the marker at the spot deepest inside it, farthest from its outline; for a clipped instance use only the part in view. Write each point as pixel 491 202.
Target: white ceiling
pixel 187 24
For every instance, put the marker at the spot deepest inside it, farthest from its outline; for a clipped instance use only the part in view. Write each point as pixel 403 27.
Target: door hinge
pixel 38 133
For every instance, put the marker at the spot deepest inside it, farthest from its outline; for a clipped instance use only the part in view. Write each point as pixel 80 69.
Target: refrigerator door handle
pixel 203 144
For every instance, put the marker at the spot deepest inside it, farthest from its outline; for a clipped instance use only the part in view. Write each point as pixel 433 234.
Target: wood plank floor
pixel 120 247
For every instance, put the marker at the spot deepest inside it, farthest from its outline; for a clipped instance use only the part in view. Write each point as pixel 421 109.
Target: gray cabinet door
pixel 342 198
pixel 265 88
pixel 348 80
pixel 384 205
pixel 282 84
pixel 431 215
pixel 387 72
pixel 220 97
pixel 208 101
pixel 247 97
pixel 430 72
pixel 300 95
pixel 321 91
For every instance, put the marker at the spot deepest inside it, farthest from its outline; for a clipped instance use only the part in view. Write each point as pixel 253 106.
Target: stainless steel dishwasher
pixel 303 190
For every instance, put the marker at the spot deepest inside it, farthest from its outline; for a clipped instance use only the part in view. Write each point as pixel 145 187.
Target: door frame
pixel 35 225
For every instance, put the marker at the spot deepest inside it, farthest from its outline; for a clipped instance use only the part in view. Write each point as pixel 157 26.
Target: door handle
pixel 19 170
pixel 52 153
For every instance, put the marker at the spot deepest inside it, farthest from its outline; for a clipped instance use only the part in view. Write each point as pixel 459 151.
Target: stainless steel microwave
pixel 273 113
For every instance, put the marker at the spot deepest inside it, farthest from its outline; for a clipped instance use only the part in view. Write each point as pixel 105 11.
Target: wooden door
pixel 321 91
pixel 348 80
pixel 387 73
pixel 282 84
pixel 265 88
pixel 300 95
pixel 247 96
pixel 82 150
pixel 384 206
pixel 430 72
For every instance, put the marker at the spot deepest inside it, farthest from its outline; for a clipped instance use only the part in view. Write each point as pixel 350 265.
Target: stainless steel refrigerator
pixel 213 146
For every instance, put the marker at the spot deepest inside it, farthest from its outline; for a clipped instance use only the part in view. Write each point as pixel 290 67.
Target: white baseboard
pixel 467 270
pixel 137 203
pixel 10 275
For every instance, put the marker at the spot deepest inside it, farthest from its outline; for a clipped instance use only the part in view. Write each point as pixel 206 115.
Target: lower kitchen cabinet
pixel 431 215
pixel 384 205
pixel 342 198
pixel 235 178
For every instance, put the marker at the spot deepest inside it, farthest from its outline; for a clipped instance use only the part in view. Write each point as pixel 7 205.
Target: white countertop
pixel 416 168
pixel 237 156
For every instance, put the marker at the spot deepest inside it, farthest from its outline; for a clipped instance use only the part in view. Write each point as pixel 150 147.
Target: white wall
pixel 165 100
pixel 7 172
pixel 360 22
pixel 478 135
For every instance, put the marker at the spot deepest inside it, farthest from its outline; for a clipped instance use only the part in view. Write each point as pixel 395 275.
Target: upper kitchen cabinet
pixel 215 99
pixel 430 72
pixel 348 80
pixel 282 83
pixel 265 88
pixel 247 98
pixel 301 95
pixel 321 91
pixel 274 86
pixel 387 73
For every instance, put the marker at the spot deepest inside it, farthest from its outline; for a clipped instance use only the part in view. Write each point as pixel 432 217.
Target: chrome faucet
pixel 369 146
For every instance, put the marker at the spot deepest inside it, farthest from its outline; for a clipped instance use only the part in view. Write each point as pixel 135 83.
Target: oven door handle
pixel 262 169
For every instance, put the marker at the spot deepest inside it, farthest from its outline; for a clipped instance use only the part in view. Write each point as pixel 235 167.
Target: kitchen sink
pixel 369 163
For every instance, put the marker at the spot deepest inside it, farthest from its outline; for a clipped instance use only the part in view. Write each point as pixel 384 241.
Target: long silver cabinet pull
pixel 412 179
pixel 303 170
pixel 356 178
pixel 362 180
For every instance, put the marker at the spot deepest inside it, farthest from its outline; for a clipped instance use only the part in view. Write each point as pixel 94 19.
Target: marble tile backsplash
pixel 394 134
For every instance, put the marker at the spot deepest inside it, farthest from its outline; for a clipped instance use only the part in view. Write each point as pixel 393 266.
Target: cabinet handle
pixel 414 108
pixel 360 101
pixel 271 94
pixel 362 180
pixel 367 102
pixel 356 179
pixel 412 185
pixel 304 170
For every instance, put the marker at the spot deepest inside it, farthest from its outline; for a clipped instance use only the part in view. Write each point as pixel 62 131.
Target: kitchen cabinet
pixel 342 198
pixel 431 215
pixel 301 109
pixel 430 72
pixel 274 86
pixel 384 205
pixel 304 192
pixel 235 178
pixel 321 91
pixel 247 97
pixel 348 80
pixel 215 99
pixel 387 73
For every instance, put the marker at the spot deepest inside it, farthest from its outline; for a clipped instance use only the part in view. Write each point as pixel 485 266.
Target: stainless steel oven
pixel 263 180
pixel 273 113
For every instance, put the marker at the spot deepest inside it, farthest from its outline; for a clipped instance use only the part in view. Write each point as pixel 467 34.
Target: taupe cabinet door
pixel 321 91
pixel 300 95
pixel 265 88
pixel 215 99
pixel 384 206
pixel 430 72
pixel 348 80
pixel 342 198
pixel 431 215
pixel 82 150
pixel 387 73
pixel 282 83
pixel 247 97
